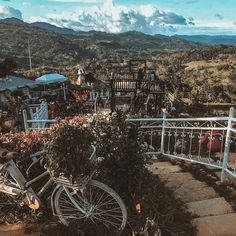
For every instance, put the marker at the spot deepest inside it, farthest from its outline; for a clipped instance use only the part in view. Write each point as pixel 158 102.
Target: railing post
pixel 163 132
pixel 227 143
pixel 25 119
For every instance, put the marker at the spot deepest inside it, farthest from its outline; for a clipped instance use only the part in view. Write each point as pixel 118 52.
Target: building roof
pixel 13 83
pixel 51 78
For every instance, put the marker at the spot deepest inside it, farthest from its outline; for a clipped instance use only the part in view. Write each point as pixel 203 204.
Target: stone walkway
pixel 213 216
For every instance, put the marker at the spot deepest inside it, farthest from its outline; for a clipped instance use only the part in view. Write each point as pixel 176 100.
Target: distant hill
pixel 65 47
pixel 53 28
pixel 211 40
pixel 12 20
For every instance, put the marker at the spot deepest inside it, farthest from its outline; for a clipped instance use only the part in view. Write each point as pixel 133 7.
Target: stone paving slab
pixel 210 207
pixel 222 225
pixel 160 170
pixel 191 185
pixel 176 179
pixel 192 195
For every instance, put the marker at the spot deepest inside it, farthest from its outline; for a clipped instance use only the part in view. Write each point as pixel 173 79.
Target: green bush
pixel 68 151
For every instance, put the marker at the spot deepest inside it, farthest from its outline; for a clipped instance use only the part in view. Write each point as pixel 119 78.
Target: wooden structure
pixel 135 65
pixel 145 96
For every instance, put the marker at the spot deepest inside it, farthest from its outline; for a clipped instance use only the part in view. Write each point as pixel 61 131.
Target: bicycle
pixel 84 199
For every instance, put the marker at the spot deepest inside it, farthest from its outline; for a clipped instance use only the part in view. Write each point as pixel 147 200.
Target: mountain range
pixel 209 39
pixel 204 39
pixel 55 46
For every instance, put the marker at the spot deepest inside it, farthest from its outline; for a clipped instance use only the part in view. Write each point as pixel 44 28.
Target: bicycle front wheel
pixel 97 203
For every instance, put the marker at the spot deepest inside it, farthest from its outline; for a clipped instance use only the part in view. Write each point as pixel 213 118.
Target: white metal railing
pixel 208 141
pixel 102 94
pixel 38 112
pixel 95 95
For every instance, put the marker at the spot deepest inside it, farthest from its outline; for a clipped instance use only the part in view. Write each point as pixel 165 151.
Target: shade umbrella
pixel 52 78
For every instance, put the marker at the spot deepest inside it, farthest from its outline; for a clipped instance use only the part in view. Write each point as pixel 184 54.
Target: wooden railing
pixel 132 85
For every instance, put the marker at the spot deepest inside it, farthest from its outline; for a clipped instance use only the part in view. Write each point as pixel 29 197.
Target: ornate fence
pixel 38 114
pixel 207 141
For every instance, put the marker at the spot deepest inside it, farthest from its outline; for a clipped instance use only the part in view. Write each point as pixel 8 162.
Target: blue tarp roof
pixel 51 78
pixel 13 83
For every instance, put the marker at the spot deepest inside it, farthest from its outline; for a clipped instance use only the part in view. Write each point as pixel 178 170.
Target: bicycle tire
pixel 102 218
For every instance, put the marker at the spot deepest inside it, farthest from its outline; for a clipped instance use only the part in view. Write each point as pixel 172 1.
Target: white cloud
pixel 8 12
pixel 78 1
pixel 117 18
pixel 26 4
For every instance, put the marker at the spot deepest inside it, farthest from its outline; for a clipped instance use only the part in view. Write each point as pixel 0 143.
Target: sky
pixel 169 17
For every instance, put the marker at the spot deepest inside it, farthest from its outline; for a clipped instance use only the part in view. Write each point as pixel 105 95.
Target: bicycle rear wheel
pixel 101 205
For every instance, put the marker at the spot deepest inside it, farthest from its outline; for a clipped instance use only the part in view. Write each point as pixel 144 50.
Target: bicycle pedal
pixel 31 202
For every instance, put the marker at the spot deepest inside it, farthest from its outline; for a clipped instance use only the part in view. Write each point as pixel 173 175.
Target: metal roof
pixel 13 83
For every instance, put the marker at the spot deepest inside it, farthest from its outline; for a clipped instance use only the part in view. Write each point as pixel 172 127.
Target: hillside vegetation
pixel 192 71
pixel 194 76
pixel 55 49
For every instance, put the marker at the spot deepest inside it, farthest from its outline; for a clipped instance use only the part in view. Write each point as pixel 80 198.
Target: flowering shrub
pixel 24 143
pixel 68 150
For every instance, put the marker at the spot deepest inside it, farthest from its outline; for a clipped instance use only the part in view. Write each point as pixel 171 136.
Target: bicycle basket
pixel 82 179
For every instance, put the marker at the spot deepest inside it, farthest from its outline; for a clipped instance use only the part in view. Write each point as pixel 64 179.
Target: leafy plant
pixel 68 151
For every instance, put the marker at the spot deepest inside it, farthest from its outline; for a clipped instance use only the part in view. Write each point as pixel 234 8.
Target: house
pixel 14 83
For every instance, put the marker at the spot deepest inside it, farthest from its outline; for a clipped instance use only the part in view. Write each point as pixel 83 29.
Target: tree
pixel 7 66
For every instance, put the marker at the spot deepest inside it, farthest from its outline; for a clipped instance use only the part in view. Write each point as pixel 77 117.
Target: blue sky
pixel 150 16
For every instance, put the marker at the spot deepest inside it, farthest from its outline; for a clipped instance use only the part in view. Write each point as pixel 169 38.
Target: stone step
pixel 209 207
pixel 176 179
pixel 191 195
pixel 190 184
pixel 163 168
pixel 222 225
pixel 183 184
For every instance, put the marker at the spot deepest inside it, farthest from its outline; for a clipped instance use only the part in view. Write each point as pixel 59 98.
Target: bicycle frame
pixel 24 185
pixel 78 193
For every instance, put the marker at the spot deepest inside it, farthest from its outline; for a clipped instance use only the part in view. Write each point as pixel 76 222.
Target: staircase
pixel 213 215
